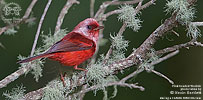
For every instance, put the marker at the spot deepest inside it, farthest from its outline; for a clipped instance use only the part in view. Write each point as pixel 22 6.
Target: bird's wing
pixel 72 42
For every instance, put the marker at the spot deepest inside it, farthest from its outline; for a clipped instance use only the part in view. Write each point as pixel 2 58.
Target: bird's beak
pixel 98 28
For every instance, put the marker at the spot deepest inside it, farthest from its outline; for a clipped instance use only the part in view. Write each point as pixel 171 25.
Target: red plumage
pixel 76 47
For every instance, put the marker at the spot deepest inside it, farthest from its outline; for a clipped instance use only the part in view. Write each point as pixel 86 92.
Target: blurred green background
pixel 184 68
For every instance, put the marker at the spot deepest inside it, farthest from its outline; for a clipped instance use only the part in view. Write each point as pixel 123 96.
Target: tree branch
pixel 120 83
pixel 165 57
pixel 114 2
pixel 39 27
pixel 92 8
pixel 197 23
pixel 138 8
pixel 179 46
pixel 63 12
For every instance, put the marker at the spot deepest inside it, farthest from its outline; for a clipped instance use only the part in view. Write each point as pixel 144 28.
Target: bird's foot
pixel 62 78
pixel 76 68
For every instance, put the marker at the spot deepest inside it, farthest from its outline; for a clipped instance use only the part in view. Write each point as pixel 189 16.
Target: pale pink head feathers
pixel 89 28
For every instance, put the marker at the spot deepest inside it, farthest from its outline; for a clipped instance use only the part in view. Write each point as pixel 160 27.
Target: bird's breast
pixel 73 58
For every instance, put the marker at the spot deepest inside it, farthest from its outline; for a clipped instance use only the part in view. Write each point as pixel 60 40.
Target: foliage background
pixel 185 68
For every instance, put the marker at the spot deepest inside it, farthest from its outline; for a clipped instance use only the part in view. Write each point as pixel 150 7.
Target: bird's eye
pixel 89 27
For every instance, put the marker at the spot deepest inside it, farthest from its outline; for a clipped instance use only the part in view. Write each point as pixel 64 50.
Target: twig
pixel 103 8
pixel 165 57
pixel 123 2
pixel 175 33
pixel 114 2
pixel 197 23
pixel 161 60
pixel 92 8
pixel 138 8
pixel 130 75
pixel 1 45
pixel 83 94
pixel 122 29
pixel 179 46
pixel 111 84
pixel 26 15
pixel 63 12
pixel 160 74
pixel 39 27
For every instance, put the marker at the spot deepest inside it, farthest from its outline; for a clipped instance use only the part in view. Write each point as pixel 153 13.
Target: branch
pixel 34 95
pixel 112 84
pixel 197 23
pixel 161 60
pixel 122 29
pixel 119 83
pixel 179 46
pixel 63 12
pixel 39 27
pixel 123 2
pixel 92 8
pixel 114 2
pixel 22 70
pixel 26 15
pixel 162 75
pixel 138 8
pixel 152 64
pixel 165 57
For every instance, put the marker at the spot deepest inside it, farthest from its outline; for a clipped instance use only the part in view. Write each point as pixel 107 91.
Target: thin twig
pixel 161 75
pixel 175 33
pixel 63 12
pixel 39 27
pixel 103 8
pixel 130 75
pixel 179 46
pixel 138 8
pixel 83 94
pixel 122 29
pixel 197 23
pixel 123 2
pixel 113 2
pixel 161 60
pixel 165 57
pixel 111 84
pixel 92 8
pixel 26 15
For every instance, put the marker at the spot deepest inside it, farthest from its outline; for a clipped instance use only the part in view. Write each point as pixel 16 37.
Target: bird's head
pixel 89 28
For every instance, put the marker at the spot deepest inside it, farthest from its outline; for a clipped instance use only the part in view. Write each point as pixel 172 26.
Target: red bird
pixel 76 47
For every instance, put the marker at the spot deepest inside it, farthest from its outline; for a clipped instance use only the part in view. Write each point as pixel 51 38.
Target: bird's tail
pixel 34 57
